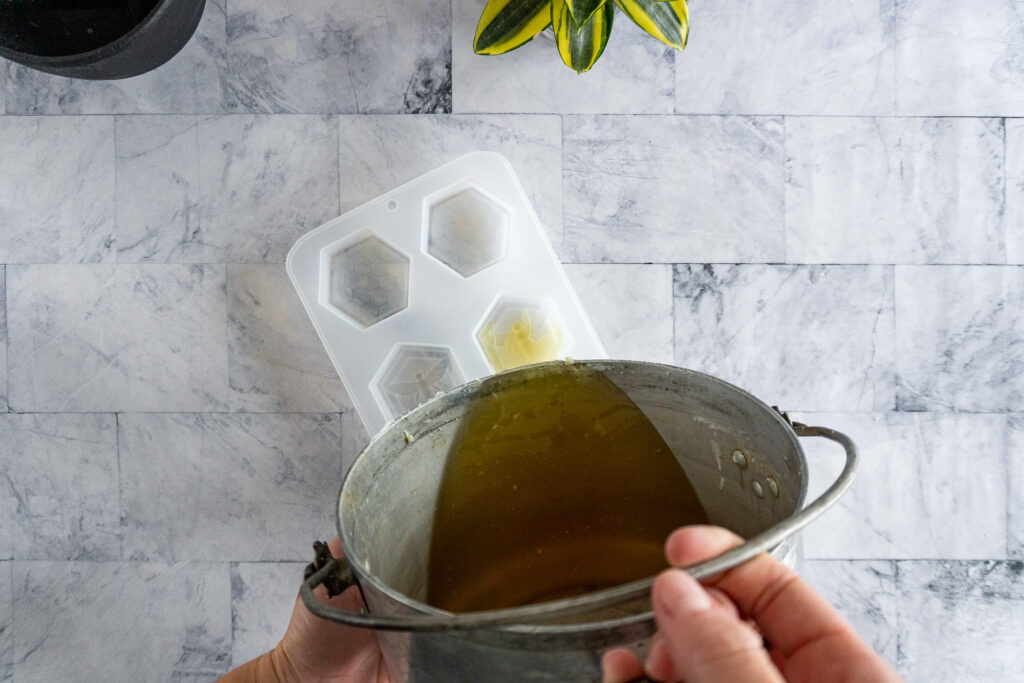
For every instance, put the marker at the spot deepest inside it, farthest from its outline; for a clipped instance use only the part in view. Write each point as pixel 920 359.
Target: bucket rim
pixel 622 593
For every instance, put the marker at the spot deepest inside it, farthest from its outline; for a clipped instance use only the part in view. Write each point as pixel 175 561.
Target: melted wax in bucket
pixel 553 488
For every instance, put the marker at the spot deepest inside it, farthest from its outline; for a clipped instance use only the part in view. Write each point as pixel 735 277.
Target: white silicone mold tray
pixel 445 279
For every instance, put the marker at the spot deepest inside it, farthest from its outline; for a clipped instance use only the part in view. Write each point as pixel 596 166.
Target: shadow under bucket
pixel 743 458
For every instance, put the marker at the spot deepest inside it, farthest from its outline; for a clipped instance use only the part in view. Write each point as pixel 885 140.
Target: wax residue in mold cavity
pixel 369 281
pixel 468 232
pixel 521 333
pixel 414 374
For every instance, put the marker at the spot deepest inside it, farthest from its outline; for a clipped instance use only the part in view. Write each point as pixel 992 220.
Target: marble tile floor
pixel 821 202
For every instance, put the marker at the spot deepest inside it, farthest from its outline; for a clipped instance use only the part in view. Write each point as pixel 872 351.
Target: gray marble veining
pixel 158 190
pixel 58 477
pixel 379 153
pixel 961 621
pixel 865 593
pixel 1015 486
pixel 634 75
pixel 805 57
pixel 6 623
pixel 708 190
pixel 630 307
pixel 189 83
pixel 1014 219
pixel 223 189
pixel 104 621
pixel 276 362
pixel 264 181
pixel 895 190
pixel 58 184
pixel 110 338
pixel 262 598
pixel 959 59
pixel 3 340
pixel 255 487
pixel 143 224
pixel 930 486
pixel 307 57
pixel 803 337
pixel 960 338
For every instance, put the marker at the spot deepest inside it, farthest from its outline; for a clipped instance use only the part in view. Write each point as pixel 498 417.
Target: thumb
pixel 707 643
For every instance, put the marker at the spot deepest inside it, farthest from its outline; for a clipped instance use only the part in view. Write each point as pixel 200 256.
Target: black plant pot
pixel 96 39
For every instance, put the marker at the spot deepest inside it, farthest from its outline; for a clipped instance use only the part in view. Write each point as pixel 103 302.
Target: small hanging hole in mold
pixel 369 280
pixel 468 231
pixel 758 490
pixel 739 459
pixel 392 204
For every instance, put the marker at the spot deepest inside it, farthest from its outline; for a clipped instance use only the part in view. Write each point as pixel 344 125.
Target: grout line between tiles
pixel 895 57
pixel 752 115
pixel 898 590
pixel 7 340
pixel 1008 489
pixel 675 344
pixel 561 184
pixel 120 484
pixel 451 55
pixel 117 188
pixel 1002 208
pixel 785 171
pixel 165 264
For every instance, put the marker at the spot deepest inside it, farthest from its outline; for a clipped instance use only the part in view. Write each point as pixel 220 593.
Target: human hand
pixel 314 649
pixel 758 621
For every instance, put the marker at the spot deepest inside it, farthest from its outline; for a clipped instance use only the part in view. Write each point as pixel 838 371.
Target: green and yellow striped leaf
pixel 580 46
pixel 669 21
pixel 583 10
pixel 507 24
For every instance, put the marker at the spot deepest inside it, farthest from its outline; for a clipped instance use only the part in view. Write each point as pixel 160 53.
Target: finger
pixel 692 544
pixel 620 665
pixel 659 665
pixel 706 642
pixel 789 612
pixel 723 600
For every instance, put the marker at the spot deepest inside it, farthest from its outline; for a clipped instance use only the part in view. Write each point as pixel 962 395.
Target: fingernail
pixel 675 592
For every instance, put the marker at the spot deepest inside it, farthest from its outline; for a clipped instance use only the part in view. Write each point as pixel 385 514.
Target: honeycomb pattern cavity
pixel 414 374
pixel 519 332
pixel 468 231
pixel 369 280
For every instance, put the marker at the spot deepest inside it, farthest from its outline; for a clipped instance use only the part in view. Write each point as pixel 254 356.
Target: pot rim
pixel 97 53
pixel 641 586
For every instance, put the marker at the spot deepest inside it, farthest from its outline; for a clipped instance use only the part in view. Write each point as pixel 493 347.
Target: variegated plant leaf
pixel 583 10
pixel 580 46
pixel 668 21
pixel 507 24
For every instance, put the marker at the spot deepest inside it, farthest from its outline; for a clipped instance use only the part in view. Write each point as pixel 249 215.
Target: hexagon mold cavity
pixel 468 231
pixel 413 374
pixel 519 331
pixel 369 280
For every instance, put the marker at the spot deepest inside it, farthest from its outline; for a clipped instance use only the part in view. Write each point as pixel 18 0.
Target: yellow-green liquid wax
pixel 520 338
pixel 557 487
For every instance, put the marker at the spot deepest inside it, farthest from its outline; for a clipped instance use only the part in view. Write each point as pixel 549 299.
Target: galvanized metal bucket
pixel 743 457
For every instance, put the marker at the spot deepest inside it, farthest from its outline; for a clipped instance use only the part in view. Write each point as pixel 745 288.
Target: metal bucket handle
pixel 337 575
